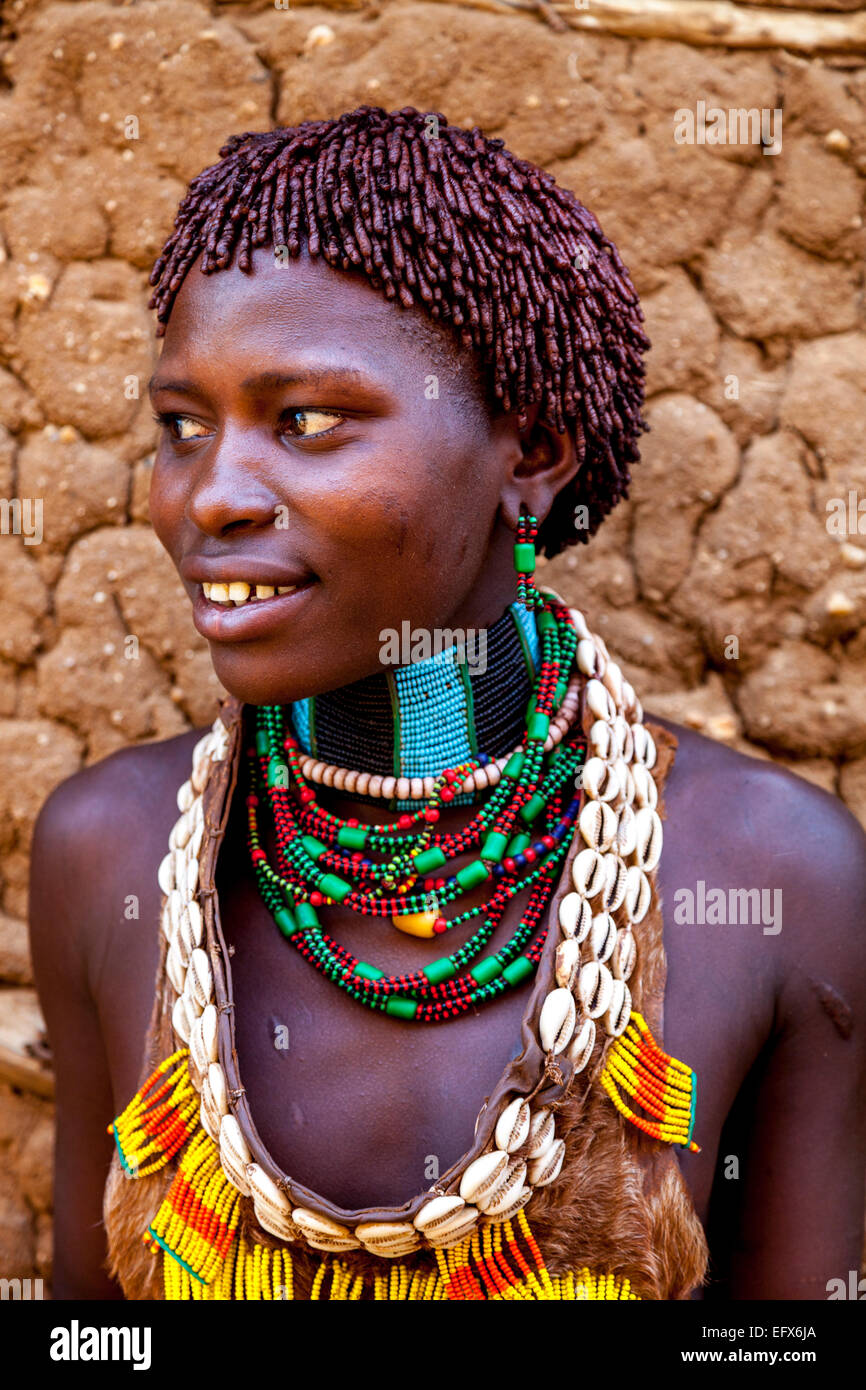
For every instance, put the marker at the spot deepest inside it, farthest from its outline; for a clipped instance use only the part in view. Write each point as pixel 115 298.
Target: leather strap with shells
pixel 622 837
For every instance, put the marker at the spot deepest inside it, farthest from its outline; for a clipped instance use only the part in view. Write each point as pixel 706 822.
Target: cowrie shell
pixel 624 957
pixel 202 749
pixel 166 924
pixel 165 872
pixel 203 1038
pixel 210 1122
pixel 644 746
pixel 545 1169
pixel 512 1182
pixel 322 1233
pixel 456 1234
pixel 174 966
pixel 597 823
pixel 567 964
pixel 575 916
pixel 388 1238
pixel 626 832
pixel 191 873
pixel 602 645
pixel 193 1007
pixel 582 1044
pixel 602 937
pixel 179 872
pixel 619 1009
pixel 598 700
pixel 648 845
pixel 482 1176
pixel 622 737
pixel 193 849
pixel 600 780
pixel 601 739
pixel 180 832
pixel 645 789
pixel 195 1074
pixel 218 1089
pixel 587 873
pixel 273 1221
pixel 191 928
pixel 628 784
pixel 557 1020
pixel 197 1047
pixel 628 696
pixel 312 1223
pixel 220 745
pixel 595 987
pixel 587 656
pixel 512 1127
pixel 334 1244
pixel 214 1102
pixel 612 679
pixel 516 1203
pixel 185 796
pixel 175 907
pixel 199 775
pixel 440 1214
pixel 542 1132
pixel 579 622
pixel 234 1154
pixel 265 1191
pixel 179 1020
pixel 201 977
pixel 616 881
pixel 638 894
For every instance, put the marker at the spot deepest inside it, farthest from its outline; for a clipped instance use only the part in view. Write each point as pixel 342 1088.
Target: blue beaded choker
pixel 416 719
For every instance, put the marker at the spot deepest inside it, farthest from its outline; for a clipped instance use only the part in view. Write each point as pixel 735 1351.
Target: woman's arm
pixel 65 872
pixel 792 1208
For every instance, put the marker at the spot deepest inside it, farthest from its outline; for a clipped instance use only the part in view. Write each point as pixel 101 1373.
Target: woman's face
pixel 319 438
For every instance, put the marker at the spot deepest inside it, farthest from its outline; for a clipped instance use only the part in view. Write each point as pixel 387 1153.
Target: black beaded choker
pixel 424 715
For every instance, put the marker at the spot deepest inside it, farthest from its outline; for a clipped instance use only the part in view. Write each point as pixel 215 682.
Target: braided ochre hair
pixel 447 220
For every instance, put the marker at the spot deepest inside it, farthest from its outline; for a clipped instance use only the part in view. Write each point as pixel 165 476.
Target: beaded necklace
pixel 474 1223
pixel 323 859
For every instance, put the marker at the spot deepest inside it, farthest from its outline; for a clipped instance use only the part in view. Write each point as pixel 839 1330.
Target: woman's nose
pixel 231 490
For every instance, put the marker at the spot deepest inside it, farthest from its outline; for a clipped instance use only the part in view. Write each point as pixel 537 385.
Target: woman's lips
pixel 257 617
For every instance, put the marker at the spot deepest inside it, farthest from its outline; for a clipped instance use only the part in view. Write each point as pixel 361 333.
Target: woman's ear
pixel 543 463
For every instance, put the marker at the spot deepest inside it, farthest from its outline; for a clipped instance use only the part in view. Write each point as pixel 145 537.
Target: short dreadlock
pixel 447 220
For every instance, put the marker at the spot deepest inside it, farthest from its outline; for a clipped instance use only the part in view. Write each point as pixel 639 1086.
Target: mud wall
pixel 733 596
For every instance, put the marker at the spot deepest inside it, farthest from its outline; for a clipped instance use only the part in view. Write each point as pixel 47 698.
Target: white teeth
pixel 239 591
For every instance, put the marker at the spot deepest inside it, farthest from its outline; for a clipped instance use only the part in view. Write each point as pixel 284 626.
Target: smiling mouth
pixel 238 593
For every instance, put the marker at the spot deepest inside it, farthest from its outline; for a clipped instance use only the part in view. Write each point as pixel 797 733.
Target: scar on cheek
pixel 834 1007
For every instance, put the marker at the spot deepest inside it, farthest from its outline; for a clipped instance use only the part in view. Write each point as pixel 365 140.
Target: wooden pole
pixel 700 22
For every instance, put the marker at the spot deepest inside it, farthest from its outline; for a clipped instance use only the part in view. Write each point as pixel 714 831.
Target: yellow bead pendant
pixel 416 923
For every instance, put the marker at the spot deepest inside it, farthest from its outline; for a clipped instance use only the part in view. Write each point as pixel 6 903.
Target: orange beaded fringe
pixel 663 1087
pixel 205 1257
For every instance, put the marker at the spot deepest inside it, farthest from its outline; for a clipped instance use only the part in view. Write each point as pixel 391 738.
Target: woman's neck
pixel 435 707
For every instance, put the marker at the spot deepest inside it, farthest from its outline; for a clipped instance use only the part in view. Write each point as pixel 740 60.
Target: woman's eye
pixel 304 423
pixel 181 427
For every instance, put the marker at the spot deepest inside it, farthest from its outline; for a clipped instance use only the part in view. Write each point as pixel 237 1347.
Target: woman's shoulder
pixel 126 786
pixel 95 839
pixel 742 823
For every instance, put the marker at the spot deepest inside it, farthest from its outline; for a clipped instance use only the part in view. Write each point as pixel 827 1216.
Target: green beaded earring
pixel 524 560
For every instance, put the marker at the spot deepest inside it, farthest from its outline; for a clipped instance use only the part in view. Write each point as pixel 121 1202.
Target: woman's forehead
pixel 297 301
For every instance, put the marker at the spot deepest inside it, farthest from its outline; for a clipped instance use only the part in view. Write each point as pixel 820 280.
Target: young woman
pixel 396 360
